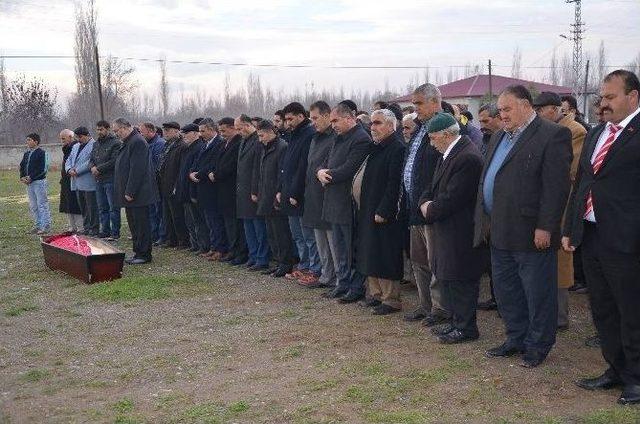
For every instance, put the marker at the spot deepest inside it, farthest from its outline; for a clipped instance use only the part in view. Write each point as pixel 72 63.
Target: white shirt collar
pixel 626 120
pixel 446 152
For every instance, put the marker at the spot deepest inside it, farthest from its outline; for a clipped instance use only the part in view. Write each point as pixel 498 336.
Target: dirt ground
pixel 185 341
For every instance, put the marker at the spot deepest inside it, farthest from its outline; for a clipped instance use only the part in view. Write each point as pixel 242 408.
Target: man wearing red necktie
pixel 603 217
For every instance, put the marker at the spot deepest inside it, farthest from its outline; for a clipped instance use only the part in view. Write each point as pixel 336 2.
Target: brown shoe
pixel 294 275
pixel 215 257
pixel 308 280
pixel 207 254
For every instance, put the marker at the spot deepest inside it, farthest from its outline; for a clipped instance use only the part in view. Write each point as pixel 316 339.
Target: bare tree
pixel 566 71
pixel 30 107
pixel 118 86
pixel 84 106
pixel 553 69
pixel 601 66
pixel 3 86
pixel 634 65
pixel 516 63
pixel 164 87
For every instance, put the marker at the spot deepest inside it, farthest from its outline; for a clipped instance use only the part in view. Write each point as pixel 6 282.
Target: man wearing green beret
pixel 457 265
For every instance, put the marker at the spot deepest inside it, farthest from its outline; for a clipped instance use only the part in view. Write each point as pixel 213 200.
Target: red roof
pixel 478 86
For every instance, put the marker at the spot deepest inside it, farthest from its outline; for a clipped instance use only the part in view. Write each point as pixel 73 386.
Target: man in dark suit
pixel 206 190
pixel 349 150
pixel 291 188
pixel 255 229
pixel 135 188
pixel 457 265
pixel 224 177
pixel 521 198
pixel 168 175
pixel 603 218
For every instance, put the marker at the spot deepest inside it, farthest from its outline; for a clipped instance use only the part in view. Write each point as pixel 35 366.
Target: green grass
pixel 35 375
pixel 397 417
pixel 123 406
pixel 143 287
pixel 617 415
pixel 211 413
pixel 14 311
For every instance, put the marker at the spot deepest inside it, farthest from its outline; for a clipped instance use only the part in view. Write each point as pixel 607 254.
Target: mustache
pixel 606 109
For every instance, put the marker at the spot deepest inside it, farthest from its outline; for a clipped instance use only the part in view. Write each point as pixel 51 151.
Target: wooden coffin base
pixel 103 266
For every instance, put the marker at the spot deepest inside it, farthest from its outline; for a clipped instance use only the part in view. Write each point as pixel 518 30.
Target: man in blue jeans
pixel 248 173
pixel 291 189
pixel 103 158
pixel 156 149
pixel 33 173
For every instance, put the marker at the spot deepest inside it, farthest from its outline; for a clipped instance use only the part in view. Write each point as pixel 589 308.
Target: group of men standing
pixel 322 198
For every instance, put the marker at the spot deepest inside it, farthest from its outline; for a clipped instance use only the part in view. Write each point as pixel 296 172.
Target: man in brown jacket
pixel 548 105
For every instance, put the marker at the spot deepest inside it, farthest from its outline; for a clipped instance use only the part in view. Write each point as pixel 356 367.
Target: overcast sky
pixel 320 33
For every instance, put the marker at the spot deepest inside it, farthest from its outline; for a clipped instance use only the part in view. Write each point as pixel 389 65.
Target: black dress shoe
pixel 441 330
pixel 270 270
pixel 593 341
pixel 630 395
pixel 503 351
pixel 489 305
pixel 575 286
pixel 602 382
pixel 457 336
pixel 417 315
pixel 238 261
pixel 333 294
pixel 257 267
pixel 532 359
pixel 384 309
pixel 431 320
pixel 281 272
pixel 369 303
pixel 137 261
pixel 350 298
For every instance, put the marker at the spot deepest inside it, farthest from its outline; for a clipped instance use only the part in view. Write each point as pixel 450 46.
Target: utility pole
pixel 585 95
pixel 577 29
pixel 99 83
pixel 490 84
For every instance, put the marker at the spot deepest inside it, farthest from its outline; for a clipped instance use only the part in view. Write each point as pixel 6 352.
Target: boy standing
pixel 33 173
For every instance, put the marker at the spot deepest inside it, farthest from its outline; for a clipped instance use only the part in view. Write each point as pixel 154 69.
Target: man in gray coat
pixel 321 144
pixel 135 188
pixel 78 167
pixel 350 148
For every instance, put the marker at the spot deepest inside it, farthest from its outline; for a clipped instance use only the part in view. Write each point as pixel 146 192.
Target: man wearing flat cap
pixel 457 265
pixel 548 105
pixel 168 171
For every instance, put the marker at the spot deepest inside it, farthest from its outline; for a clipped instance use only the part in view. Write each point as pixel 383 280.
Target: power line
pixel 275 65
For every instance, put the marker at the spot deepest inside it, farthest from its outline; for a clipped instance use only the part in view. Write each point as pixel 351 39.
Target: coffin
pixel 104 263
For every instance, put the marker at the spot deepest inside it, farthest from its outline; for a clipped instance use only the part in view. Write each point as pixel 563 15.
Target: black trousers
pixel 197 226
pixel 280 241
pixel 140 227
pixel 614 292
pixel 578 269
pixel 174 221
pixel 89 208
pixel 462 297
pixel 235 237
